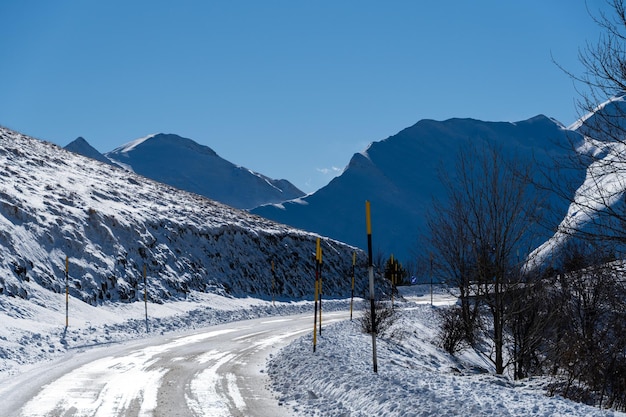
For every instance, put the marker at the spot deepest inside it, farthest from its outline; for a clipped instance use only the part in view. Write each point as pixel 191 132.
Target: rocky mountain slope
pixel 111 223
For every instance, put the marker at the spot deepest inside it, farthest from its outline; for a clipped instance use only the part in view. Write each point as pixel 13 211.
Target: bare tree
pixel 588 342
pixel 480 236
pixel 597 210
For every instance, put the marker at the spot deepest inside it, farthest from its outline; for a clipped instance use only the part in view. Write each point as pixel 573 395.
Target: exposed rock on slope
pixel 110 223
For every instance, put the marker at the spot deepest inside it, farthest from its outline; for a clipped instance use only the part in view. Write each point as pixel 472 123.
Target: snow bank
pixel 35 333
pixel 415 377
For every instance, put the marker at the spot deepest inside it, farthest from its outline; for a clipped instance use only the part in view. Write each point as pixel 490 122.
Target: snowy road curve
pixel 218 371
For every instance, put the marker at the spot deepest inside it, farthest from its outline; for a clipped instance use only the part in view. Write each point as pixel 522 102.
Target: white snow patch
pixel 578 123
pixel 126 380
pixel 204 400
pixel 132 144
pixel 415 377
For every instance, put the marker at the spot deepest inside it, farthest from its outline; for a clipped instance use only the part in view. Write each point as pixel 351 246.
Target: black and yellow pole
pixel 317 271
pixel 352 295
pixel 321 286
pixel 368 222
pixel 67 292
pixel 145 295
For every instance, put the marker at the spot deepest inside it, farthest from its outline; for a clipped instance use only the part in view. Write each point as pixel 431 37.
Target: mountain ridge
pixel 399 176
pixel 601 148
pixel 183 163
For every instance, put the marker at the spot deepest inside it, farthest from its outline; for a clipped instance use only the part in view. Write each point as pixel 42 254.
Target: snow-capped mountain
pixel 399 176
pixel 111 223
pixel 185 164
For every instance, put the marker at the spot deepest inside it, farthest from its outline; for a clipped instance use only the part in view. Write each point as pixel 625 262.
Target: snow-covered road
pixel 215 372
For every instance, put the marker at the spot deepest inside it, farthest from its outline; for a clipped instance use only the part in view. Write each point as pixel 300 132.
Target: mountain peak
pixel 188 165
pixel 82 147
pixel 79 142
pixel 164 142
pixel 80 139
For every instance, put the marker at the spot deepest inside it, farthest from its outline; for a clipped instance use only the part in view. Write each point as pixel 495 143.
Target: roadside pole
pixel 273 285
pixel 371 279
pixel 352 295
pixel 393 278
pixel 67 292
pixel 317 251
pixel 394 284
pixel 321 286
pixel 145 295
pixel 431 278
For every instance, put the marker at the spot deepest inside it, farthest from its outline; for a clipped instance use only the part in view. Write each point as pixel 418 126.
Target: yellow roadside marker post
pixel 67 292
pixel 371 279
pixel 317 271
pixel 145 295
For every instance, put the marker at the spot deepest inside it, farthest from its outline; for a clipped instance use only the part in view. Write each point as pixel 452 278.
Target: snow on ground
pixel 34 333
pixel 414 378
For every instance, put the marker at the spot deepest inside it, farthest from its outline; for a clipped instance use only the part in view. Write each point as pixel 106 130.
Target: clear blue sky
pixel 288 88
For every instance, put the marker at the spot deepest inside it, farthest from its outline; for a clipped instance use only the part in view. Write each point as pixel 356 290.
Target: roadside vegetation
pixel 559 312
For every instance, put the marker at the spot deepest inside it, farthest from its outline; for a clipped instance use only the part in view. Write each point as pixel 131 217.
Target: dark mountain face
pixel 400 177
pixel 185 164
pixel 82 147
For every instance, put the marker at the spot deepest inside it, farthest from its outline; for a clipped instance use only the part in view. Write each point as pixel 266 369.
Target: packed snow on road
pixel 109 347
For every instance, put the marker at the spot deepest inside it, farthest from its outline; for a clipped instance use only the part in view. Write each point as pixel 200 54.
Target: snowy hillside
pixel 399 175
pixel 185 164
pixel 602 146
pixel 110 223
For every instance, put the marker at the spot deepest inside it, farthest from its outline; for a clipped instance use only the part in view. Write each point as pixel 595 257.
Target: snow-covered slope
pixel 399 175
pixel 185 164
pixel 601 146
pixel 415 376
pixel 110 223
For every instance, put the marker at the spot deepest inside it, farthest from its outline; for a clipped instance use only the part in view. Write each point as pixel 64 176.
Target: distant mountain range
pixel 400 177
pixel 189 166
